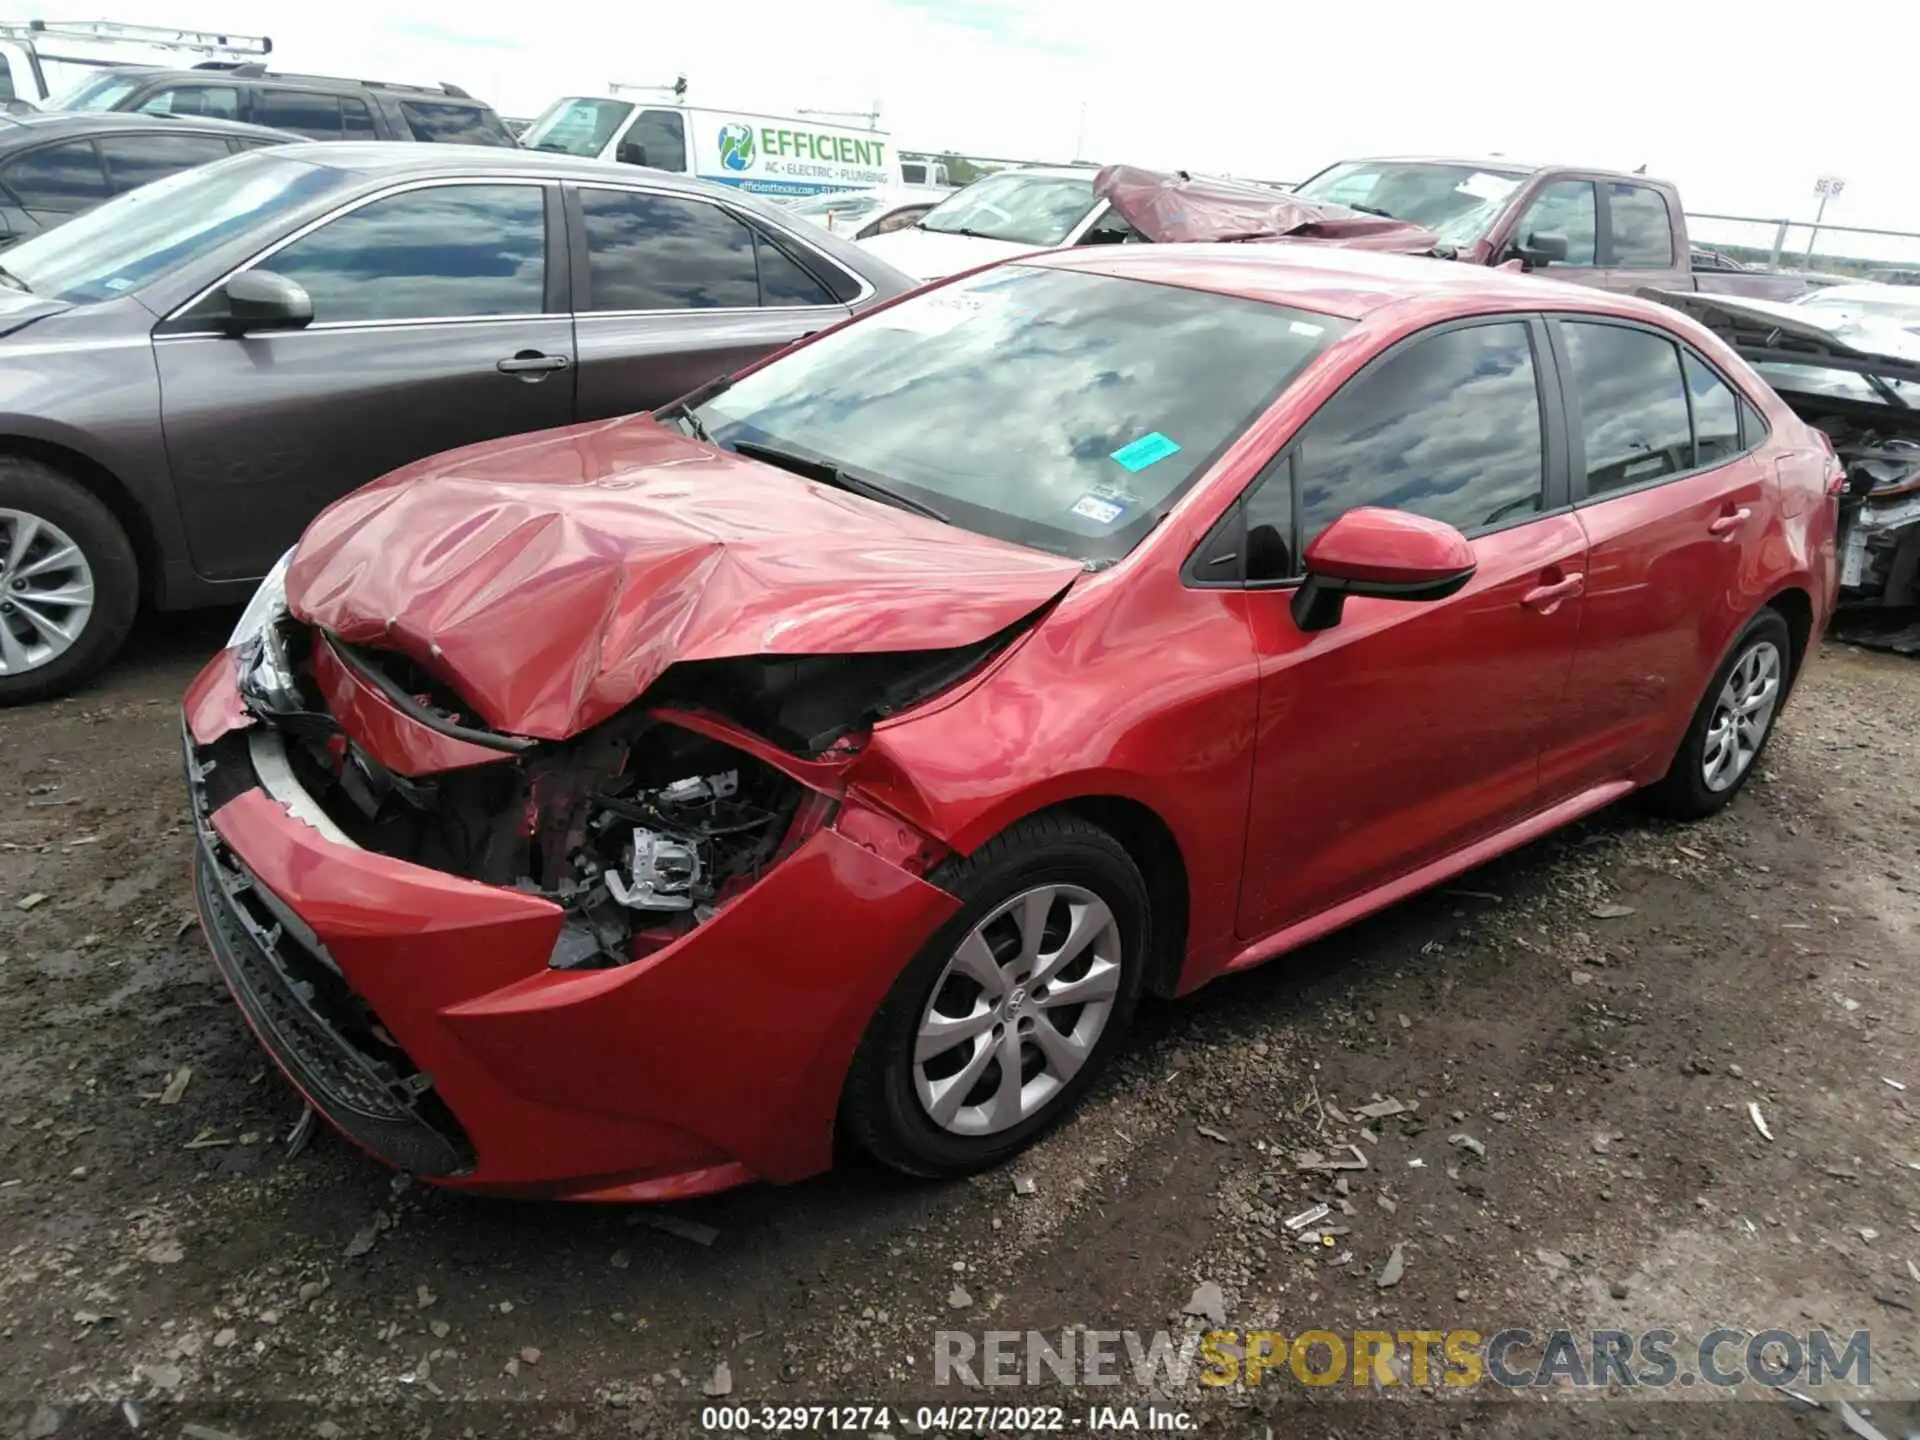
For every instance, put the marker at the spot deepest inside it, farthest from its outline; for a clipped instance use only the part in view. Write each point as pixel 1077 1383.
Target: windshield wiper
pixel 834 475
pixel 683 408
pixel 962 230
pixel 7 277
pixel 1374 210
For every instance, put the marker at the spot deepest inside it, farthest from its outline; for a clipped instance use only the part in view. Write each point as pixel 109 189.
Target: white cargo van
pixel 766 154
pixel 41 59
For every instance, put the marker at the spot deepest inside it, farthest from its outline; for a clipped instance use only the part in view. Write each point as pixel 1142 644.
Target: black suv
pixel 316 106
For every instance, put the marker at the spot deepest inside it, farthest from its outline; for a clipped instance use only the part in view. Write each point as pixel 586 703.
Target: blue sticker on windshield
pixel 1145 451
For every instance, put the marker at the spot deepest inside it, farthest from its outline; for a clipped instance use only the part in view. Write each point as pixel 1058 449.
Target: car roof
pixel 407 158
pixel 1491 163
pixel 87 122
pixel 1333 280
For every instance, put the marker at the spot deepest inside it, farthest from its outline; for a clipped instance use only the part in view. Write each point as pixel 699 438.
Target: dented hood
pixel 1174 207
pixel 550 580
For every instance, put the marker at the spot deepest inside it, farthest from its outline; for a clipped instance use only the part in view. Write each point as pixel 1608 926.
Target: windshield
pixel 577 126
pixel 1055 409
pixel 1457 202
pixel 145 234
pixel 98 92
pixel 1038 210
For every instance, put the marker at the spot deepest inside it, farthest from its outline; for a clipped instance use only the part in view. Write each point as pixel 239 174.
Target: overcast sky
pixel 1742 108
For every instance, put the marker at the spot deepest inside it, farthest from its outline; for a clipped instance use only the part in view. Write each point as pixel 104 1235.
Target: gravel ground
pixel 1595 1015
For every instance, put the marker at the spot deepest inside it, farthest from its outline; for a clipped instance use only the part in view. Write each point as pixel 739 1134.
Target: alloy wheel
pixel 1018 1009
pixel 1741 715
pixel 46 592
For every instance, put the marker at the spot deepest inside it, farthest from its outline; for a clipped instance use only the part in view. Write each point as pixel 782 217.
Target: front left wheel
pixel 996 1028
pixel 69 582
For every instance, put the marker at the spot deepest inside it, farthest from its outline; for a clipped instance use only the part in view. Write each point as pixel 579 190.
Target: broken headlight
pixel 269 602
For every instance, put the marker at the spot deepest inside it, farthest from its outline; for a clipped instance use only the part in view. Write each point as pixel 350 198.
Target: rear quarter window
pixel 447 123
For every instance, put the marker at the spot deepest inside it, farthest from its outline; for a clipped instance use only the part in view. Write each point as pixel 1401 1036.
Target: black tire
pixel 880 1110
pixel 1683 793
pixel 44 492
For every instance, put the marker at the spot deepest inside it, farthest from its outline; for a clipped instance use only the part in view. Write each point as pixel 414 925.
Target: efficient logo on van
pixel 814 145
pixel 736 146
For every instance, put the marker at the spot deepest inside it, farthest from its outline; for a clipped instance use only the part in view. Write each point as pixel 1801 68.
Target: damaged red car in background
pixel 838 754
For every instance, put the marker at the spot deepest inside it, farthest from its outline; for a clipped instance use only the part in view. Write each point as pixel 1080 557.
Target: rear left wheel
pixel 1003 1019
pixel 1732 724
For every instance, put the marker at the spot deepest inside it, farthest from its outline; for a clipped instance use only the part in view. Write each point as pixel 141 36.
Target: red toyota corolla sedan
pixel 631 810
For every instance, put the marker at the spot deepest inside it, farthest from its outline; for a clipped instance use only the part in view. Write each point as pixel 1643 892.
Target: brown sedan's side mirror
pixel 1387 554
pixel 259 300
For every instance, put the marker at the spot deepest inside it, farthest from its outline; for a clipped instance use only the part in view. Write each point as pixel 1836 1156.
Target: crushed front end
pixel 634 963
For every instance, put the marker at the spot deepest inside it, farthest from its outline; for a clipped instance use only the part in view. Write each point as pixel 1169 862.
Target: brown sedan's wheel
pixel 999 1024
pixel 69 582
pixel 1732 725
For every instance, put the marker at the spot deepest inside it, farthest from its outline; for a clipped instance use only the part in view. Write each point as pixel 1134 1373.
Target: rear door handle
pixel 1546 598
pixel 532 362
pixel 1726 524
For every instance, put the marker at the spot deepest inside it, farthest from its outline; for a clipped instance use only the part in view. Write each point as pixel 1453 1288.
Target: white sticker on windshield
pixel 119 283
pixel 1482 186
pixel 935 314
pixel 1300 327
pixel 1101 512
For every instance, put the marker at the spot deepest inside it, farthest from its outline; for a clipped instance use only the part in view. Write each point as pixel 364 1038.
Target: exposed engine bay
pixel 641 828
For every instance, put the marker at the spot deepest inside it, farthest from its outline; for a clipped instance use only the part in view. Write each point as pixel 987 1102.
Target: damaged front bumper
pixel 422 1013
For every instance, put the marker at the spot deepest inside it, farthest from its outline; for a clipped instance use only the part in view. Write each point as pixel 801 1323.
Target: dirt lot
pixel 1597 1013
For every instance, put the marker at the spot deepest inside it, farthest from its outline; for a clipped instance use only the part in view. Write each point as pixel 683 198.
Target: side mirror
pixel 631 152
pixel 1542 248
pixel 259 300
pixel 1387 554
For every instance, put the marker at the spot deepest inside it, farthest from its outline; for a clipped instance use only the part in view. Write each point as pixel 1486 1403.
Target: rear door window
pixel 1634 426
pixel 136 160
pixel 1716 413
pixel 1642 228
pixel 61 179
pixel 447 123
pixel 664 252
pixel 214 102
pixel 356 119
pixel 783 280
pixel 306 112
pixel 446 252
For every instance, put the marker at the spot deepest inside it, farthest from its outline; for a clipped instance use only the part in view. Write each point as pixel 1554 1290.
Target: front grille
pixel 318 1029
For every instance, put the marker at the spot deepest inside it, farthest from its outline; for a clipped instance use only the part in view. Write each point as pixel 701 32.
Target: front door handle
pixel 1546 598
pixel 532 364
pixel 1727 524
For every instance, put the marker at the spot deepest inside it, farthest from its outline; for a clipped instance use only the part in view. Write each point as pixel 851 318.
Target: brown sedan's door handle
pixel 1546 598
pixel 532 364
pixel 1726 524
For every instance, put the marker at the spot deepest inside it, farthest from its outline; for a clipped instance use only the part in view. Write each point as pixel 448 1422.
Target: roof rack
pixel 210 43
pixel 254 70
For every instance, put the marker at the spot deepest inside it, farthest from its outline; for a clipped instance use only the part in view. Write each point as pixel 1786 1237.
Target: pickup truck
pixel 1593 227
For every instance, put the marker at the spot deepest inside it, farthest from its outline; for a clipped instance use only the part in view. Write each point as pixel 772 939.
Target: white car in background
pixel 858 214
pixel 1010 212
